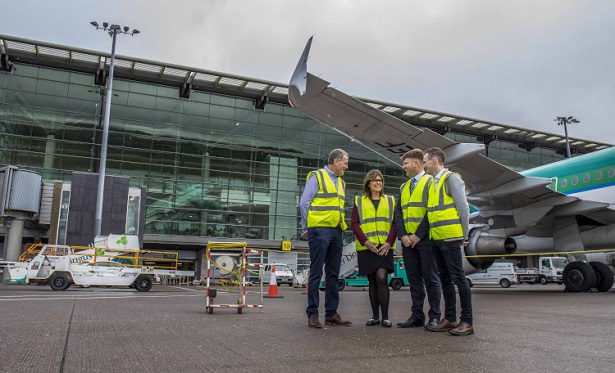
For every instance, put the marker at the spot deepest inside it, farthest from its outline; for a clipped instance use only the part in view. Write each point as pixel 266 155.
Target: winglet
pixel 298 82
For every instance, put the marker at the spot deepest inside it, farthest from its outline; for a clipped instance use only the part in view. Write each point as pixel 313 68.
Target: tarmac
pixel 524 328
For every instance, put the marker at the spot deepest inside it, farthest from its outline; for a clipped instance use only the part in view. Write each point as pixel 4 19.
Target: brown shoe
pixel 336 320
pixel 462 329
pixel 443 326
pixel 314 323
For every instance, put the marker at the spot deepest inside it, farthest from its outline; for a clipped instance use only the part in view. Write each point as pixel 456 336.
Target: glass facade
pixel 212 164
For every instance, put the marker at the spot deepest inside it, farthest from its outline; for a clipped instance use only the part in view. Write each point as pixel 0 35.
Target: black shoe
pixel 411 323
pixel 372 322
pixel 431 323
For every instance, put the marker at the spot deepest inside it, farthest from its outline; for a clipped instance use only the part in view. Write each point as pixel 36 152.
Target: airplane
pixel 567 206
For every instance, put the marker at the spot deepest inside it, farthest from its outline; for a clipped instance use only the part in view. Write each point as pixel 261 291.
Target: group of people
pixel 431 219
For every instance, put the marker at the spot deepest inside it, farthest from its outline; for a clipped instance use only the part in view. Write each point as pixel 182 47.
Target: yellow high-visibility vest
pixel 444 221
pixel 327 207
pixel 414 206
pixel 375 224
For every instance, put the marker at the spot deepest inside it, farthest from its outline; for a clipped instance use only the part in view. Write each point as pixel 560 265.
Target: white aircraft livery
pixel 567 206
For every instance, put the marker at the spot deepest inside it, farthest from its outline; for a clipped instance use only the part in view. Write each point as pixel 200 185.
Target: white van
pixel 500 273
pixel 283 274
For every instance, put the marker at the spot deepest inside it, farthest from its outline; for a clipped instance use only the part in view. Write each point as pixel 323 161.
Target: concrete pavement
pixel 523 328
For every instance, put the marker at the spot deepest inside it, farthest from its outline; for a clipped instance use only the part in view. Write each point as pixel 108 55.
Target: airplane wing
pixel 490 185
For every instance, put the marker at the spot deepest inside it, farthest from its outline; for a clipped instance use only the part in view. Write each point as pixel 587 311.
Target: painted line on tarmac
pixel 9 298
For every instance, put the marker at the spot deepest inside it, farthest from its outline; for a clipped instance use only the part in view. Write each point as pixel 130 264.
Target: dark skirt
pixel 369 262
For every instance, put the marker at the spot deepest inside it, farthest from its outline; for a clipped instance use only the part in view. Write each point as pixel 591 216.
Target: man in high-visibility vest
pixel 448 214
pixel 413 231
pixel 323 221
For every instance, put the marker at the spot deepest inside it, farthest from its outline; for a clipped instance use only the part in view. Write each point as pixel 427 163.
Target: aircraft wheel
pixel 579 277
pixel 604 276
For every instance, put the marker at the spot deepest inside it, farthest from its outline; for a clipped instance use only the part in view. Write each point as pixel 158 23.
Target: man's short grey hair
pixel 337 154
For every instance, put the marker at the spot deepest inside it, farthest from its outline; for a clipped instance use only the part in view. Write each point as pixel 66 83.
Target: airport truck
pixel 61 266
pixel 550 270
pixel 397 279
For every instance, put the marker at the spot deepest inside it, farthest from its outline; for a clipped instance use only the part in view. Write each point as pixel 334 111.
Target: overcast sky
pixel 517 62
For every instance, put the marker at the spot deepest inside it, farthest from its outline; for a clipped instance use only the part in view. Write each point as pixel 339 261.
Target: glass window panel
pixel 244 128
pixel 139 114
pixel 196 108
pixel 143 88
pixel 56 75
pixel 223 112
pixel 250 116
pixel 168 104
pixel 222 100
pixel 194 121
pixel 167 92
pixel 221 125
pixel 164 145
pixel 21 84
pixel 167 117
pixel 19 98
pixel 137 142
pixel 136 156
pixel 274 108
pixel 142 101
pixel 52 88
pixel 80 78
pixel 164 130
pixel 200 97
pixel 142 128
pixel 121 85
pixel 51 102
pixel 74 105
pixel 270 132
pixel 270 119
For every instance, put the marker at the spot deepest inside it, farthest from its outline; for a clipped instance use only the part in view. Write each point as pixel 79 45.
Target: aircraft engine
pixel 483 243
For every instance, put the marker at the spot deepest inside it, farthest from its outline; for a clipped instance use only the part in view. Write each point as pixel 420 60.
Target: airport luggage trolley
pixel 230 260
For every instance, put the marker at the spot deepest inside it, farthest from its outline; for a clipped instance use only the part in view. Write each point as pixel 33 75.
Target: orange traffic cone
pixel 273 286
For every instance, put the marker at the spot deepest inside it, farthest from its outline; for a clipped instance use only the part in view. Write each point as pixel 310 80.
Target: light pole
pixel 112 30
pixel 564 121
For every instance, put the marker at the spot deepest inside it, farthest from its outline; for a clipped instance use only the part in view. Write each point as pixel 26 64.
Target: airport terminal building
pixel 207 155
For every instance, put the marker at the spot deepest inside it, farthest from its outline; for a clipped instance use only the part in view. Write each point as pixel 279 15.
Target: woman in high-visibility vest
pixel 372 224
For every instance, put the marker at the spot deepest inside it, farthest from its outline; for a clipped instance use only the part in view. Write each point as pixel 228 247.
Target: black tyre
pixel 504 283
pixel 470 282
pixel 341 284
pixel 59 282
pixel 396 284
pixel 543 280
pixel 579 277
pixel 143 283
pixel 604 276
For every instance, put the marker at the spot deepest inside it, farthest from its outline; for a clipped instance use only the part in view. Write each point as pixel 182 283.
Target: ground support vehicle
pixel 283 274
pixel 549 270
pixel 61 266
pixel 397 279
pixel 499 273
pixel 229 260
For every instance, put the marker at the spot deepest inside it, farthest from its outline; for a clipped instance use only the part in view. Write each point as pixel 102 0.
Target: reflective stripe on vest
pixel 414 205
pixel 375 224
pixel 327 207
pixel 444 222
